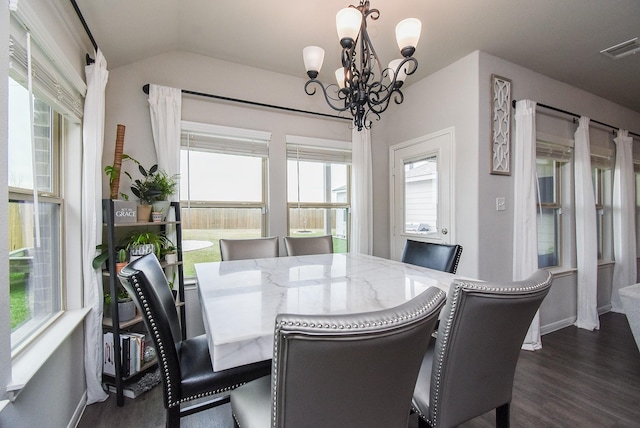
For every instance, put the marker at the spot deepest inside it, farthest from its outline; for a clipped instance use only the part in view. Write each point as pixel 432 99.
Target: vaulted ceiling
pixel 561 39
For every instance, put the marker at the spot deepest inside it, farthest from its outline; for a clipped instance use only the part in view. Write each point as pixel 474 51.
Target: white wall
pixel 127 105
pixel 460 96
pixel 447 98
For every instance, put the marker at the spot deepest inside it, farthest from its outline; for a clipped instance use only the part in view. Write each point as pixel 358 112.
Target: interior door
pixel 422 190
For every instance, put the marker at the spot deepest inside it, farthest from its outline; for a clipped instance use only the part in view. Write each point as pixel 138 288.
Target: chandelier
pixel 363 86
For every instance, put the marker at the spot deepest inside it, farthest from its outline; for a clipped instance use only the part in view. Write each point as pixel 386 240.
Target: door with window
pixel 422 191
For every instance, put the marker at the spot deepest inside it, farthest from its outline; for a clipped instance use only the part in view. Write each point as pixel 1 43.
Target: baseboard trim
pixel 550 328
pixel 77 414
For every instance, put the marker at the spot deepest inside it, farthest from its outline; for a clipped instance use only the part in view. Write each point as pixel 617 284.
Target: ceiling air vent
pixel 622 49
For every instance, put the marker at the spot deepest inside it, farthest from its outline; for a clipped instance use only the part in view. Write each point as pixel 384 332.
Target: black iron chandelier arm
pixel 330 100
pixel 379 94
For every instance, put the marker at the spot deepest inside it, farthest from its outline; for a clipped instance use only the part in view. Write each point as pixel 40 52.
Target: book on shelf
pixel 132 347
pixel 108 358
pixel 124 349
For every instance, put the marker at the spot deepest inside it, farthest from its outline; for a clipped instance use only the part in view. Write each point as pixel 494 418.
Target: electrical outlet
pixel 500 204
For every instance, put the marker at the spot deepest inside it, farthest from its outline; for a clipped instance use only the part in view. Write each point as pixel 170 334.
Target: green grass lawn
pixel 18 300
pixel 212 253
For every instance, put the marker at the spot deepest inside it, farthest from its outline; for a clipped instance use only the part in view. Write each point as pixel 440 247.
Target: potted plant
pixel 126 306
pixel 122 260
pixel 103 256
pixel 170 253
pixel 140 243
pixel 156 185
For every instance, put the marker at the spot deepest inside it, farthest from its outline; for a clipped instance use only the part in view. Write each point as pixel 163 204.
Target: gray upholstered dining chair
pixel 302 246
pixel 342 370
pixel 241 249
pixel 185 364
pixel 469 367
pixel 431 255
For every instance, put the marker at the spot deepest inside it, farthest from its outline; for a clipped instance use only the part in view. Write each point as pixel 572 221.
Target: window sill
pixel 560 271
pixel 26 364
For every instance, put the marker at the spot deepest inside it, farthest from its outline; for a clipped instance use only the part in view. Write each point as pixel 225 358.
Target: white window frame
pixel 233 141
pixel 560 150
pixel 60 85
pixel 602 170
pixel 309 149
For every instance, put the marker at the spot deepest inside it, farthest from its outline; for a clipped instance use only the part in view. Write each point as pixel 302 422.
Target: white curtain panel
pixel 92 142
pixel 361 201
pixel 165 105
pixel 586 231
pixel 525 228
pixel 624 226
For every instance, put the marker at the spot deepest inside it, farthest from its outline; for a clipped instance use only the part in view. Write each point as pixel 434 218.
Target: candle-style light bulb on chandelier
pixel 363 86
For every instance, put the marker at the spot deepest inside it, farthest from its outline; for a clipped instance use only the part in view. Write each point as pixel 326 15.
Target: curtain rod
pixel 145 89
pixel 88 58
pixel 513 103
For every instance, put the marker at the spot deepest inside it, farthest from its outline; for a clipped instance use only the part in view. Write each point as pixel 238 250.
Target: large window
pixel 549 211
pixel 35 244
pixel 223 188
pixel 318 189
pixel 552 165
pixel 601 163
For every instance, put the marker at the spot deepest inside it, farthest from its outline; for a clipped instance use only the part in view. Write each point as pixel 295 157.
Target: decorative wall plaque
pixel 500 125
pixel 124 211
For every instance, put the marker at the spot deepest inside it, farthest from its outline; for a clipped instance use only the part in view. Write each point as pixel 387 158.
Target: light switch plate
pixel 500 204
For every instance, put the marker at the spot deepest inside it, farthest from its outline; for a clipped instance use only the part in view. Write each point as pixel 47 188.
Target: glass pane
pixel 546 170
pixel 34 272
pixel 547 219
pixel 20 153
pixel 319 182
pixel 321 221
pixel 203 227
pixel 220 177
pixel 421 196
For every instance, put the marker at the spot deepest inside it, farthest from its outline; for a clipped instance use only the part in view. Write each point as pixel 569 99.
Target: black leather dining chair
pixel 431 255
pixel 303 246
pixel 355 370
pixel 242 249
pixel 185 364
pixel 469 367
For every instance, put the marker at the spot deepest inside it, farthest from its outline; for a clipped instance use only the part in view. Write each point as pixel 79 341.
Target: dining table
pixel 240 299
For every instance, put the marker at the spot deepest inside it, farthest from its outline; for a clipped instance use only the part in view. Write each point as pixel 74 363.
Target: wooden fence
pixel 249 218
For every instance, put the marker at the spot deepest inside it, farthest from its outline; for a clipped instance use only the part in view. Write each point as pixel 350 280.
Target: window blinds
pixel 49 82
pixel 561 150
pixel 554 151
pixel 318 150
pixel 223 139
pixel 601 157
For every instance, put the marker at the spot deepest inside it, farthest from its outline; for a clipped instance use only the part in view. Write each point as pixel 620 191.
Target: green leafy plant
pixel 112 172
pixel 157 239
pixel 156 185
pixel 123 296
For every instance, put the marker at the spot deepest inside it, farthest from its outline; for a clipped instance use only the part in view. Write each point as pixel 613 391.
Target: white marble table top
pixel 240 299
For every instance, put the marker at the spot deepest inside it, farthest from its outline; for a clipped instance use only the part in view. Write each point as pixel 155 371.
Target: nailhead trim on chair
pixel 459 286
pixel 279 327
pixel 163 357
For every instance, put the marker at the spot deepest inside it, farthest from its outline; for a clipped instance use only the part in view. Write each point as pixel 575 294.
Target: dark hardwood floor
pixel 579 379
